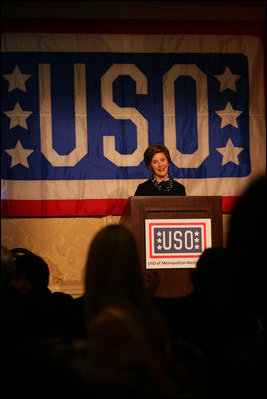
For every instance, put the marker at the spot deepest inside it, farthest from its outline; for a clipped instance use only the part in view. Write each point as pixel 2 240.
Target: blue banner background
pixel 94 165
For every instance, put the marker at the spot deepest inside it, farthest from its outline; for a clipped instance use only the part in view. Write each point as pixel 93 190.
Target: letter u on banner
pixel 46 130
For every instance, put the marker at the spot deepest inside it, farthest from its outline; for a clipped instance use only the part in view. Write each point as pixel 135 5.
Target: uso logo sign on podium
pixel 176 243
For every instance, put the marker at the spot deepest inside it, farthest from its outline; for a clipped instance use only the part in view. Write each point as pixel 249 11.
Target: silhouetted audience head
pixel 126 334
pixel 8 268
pixel 114 279
pixel 247 243
pixel 211 273
pixel 113 272
pixel 246 228
pixel 32 271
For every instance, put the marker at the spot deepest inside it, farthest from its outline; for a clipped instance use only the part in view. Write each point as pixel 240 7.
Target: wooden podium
pixel 173 283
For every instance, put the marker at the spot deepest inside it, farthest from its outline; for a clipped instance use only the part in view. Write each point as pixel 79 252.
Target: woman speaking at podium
pixel 157 159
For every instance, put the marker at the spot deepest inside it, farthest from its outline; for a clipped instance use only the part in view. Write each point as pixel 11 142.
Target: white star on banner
pixel 19 155
pixel 229 115
pixel 228 80
pixel 230 153
pixel 18 117
pixel 17 79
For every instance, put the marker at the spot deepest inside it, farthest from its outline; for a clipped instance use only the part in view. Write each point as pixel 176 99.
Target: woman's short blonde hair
pixel 155 149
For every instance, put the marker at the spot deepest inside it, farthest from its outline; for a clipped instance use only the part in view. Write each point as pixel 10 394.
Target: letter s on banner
pixel 117 112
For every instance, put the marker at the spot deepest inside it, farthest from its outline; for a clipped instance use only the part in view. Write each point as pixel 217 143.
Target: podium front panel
pixel 172 282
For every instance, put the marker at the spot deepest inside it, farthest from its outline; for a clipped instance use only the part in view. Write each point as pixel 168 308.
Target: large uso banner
pixel 79 110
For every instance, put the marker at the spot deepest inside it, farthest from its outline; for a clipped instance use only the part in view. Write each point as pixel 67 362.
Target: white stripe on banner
pixel 92 189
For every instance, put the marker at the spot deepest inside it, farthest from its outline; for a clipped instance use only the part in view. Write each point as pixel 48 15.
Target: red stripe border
pixel 44 208
pixel 89 207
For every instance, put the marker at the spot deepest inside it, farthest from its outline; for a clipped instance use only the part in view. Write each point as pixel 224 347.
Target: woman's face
pixel 159 165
